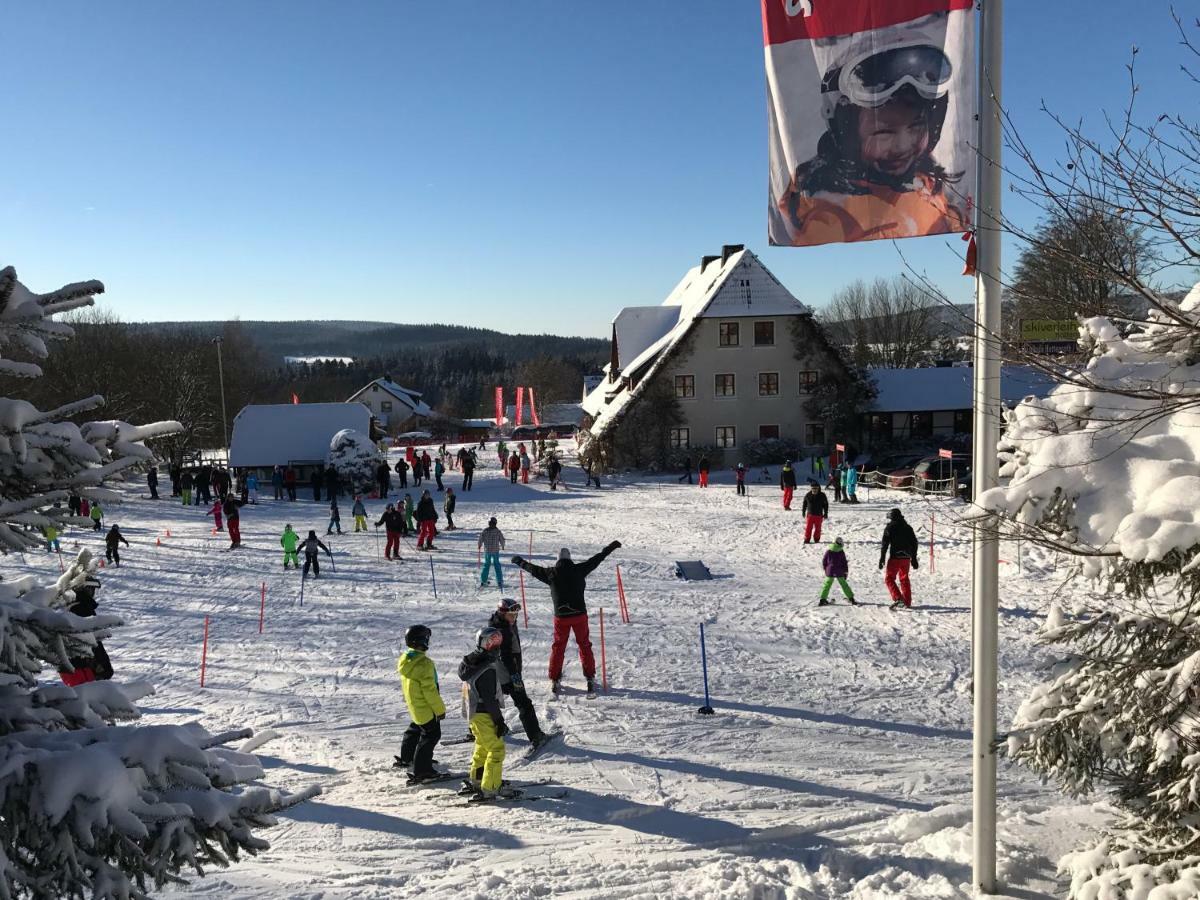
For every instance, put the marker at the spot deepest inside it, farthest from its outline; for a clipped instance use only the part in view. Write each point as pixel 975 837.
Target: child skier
pixel 523 461
pixel 335 517
pixel 360 514
pixel 233 517
pixel 112 542
pixel 740 473
pixel 491 542
pixel 215 512
pixel 448 508
pixel 418 678
pixel 51 535
pixel 815 509
pixel 97 516
pixel 836 567
pixel 252 487
pixel 312 544
pixel 504 620
pixel 289 542
pixel 483 708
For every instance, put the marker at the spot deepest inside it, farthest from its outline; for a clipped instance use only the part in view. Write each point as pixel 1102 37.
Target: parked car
pixel 934 473
pixel 899 465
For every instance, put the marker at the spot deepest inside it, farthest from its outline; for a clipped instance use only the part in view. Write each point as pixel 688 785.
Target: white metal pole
pixel 985 464
pixel 224 416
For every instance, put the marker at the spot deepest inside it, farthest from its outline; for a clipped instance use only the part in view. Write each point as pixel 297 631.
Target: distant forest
pixel 168 370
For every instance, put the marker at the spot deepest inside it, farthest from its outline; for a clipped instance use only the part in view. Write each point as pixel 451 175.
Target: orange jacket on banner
pixel 871 106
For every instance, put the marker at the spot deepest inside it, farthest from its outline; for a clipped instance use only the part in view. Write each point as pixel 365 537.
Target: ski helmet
pixel 508 605
pixel 489 639
pixel 417 637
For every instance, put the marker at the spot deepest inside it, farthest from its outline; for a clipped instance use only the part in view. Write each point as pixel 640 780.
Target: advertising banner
pixel 520 406
pixel 499 406
pixel 871 106
pixel 533 410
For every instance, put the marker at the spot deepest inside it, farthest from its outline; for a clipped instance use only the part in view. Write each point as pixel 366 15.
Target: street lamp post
pixel 224 416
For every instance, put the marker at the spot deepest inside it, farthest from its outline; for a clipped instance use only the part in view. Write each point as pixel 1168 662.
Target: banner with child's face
pixel 872 117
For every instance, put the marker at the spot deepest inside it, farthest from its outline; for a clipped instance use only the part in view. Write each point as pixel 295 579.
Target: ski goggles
pixel 873 79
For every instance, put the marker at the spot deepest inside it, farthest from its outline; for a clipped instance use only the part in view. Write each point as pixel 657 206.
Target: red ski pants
pixel 524 476
pixel 425 534
pixel 897 571
pixel 393 545
pixel 563 626
pixel 235 531
pixel 703 479
pixel 787 497
pixel 812 528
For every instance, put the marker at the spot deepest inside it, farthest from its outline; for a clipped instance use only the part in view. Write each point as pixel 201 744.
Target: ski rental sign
pixel 871 107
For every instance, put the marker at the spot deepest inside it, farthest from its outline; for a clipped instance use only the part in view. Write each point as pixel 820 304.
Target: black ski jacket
pixel 815 504
pixel 787 477
pixel 566 580
pixel 900 538
pixel 394 520
pixel 232 508
pixel 510 650
pixel 426 511
pixel 486 686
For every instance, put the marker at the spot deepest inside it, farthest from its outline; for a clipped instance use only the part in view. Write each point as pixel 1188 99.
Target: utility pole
pixel 221 377
pixel 985 589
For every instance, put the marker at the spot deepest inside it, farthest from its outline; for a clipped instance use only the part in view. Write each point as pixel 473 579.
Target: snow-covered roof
pixel 283 433
pixel 933 389
pixel 737 286
pixel 407 396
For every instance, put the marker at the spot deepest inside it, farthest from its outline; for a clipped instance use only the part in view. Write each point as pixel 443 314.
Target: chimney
pixel 614 359
pixel 387 376
pixel 705 260
pixel 728 250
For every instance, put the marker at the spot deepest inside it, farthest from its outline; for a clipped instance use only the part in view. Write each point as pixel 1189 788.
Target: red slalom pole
pixel 262 607
pixel 603 657
pixel 621 597
pixel 204 653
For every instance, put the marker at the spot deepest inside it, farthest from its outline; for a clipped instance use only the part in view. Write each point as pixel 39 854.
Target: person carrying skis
pixel 898 550
pixel 422 696
pixel 401 472
pixel 553 471
pixel 289 542
pixel 483 708
pixel 687 470
pixel 252 487
pixel 467 464
pixel 152 482
pixel 514 467
pixel 851 484
pixel 312 545
pixel 491 542
pixel 427 517
pixel 525 464
pixel 740 473
pixel 233 517
pixel 787 483
pixel 97 516
pixel 702 467
pixel 112 545
pixel 359 511
pixel 815 509
pixel 567 581
pixel 393 519
pixel 504 620
pixel 439 469
pixel 215 512
pixel 409 527
pixel 837 568
pixel 448 508
pixel 335 516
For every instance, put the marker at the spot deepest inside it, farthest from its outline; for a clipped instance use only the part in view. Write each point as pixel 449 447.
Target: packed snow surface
pixel 838 763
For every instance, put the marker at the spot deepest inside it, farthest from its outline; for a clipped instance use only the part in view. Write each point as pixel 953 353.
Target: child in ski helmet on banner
pixel 422 696
pixel 483 708
pixel 289 542
pixel 837 568
pixel 874 175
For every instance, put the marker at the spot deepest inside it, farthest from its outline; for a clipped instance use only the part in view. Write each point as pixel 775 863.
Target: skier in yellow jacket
pixel 418 677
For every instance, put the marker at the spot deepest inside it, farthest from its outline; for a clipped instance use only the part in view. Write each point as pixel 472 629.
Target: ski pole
pixel 706 709
pixel 204 652
pixel 434 577
pixel 262 608
pixel 303 578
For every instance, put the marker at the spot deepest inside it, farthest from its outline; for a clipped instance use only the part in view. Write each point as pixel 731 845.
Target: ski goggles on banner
pixel 873 79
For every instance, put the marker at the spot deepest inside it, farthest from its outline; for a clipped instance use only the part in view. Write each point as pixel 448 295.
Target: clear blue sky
pixel 528 166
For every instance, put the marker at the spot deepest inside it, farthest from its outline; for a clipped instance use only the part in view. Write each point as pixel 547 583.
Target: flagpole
pixel 985 464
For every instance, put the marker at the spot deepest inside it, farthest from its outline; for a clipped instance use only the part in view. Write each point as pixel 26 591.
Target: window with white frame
pixel 725 385
pixel 768 384
pixel 680 438
pixel 685 387
pixel 726 436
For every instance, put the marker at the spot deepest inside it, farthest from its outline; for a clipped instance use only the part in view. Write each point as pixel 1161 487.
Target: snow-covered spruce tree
pixel 89 808
pixel 356 458
pixel 1107 469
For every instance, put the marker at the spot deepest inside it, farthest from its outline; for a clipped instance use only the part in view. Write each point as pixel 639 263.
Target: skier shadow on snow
pixel 808 715
pixel 274 762
pixel 320 813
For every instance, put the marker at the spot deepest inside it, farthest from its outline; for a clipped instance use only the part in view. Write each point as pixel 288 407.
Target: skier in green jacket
pixel 290 541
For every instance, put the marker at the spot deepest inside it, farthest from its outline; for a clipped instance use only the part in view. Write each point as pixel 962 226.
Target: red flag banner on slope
pixel 499 406
pixel 533 414
pixel 872 119
pixel 520 406
pixel 295 398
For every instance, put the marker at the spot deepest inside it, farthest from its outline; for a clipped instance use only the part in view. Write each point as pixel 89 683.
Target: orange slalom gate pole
pixel 603 657
pixel 621 597
pixel 204 653
pixel 262 607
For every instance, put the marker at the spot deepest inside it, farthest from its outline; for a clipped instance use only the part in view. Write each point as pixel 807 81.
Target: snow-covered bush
pixel 1107 469
pixel 89 808
pixel 356 458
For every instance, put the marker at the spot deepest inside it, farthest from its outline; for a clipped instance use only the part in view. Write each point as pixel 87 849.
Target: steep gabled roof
pixel 410 398
pixel 738 286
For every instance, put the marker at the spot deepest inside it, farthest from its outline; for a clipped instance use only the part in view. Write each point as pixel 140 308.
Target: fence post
pixel 932 567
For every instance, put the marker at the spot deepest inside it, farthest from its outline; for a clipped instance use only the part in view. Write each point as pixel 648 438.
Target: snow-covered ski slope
pixel 837 765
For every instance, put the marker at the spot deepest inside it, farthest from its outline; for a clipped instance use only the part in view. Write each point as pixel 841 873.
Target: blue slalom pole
pixel 706 709
pixel 434 577
pixel 303 579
